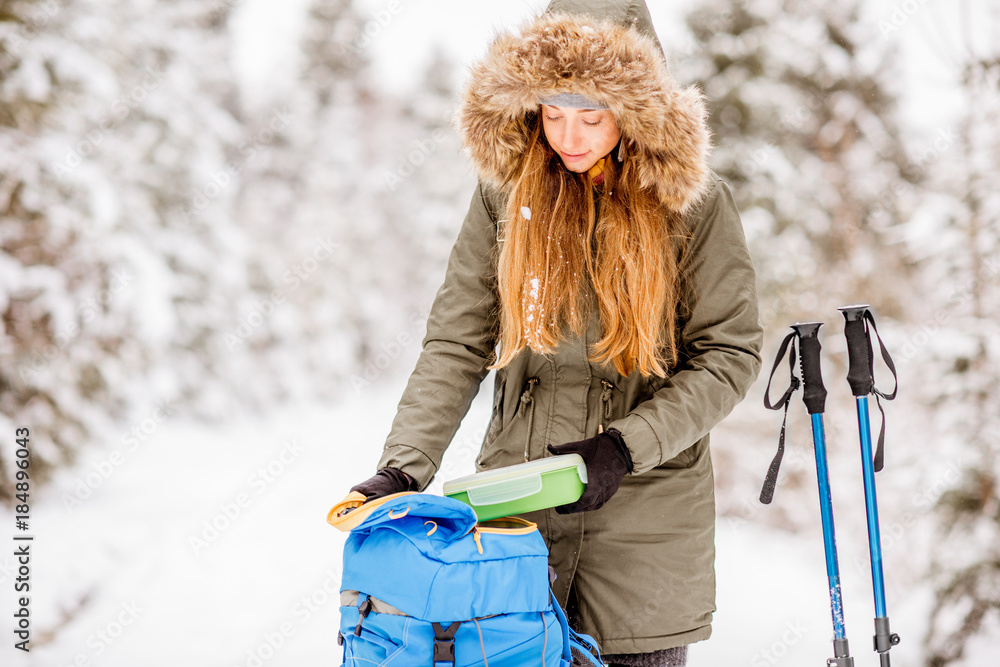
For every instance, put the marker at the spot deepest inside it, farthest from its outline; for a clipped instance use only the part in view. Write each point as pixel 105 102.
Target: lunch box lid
pixel 514 482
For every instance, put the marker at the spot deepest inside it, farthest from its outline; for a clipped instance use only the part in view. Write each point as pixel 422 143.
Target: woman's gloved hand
pixel 607 459
pixel 386 482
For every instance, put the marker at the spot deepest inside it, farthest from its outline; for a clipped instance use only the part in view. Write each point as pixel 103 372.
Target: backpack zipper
pixel 478 538
pixel 363 610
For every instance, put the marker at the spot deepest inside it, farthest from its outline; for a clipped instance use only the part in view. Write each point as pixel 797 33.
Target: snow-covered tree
pixel 960 244
pixel 118 258
pixel 839 208
pixel 803 106
pixel 333 179
pixel 171 241
pixel 427 183
pixel 803 103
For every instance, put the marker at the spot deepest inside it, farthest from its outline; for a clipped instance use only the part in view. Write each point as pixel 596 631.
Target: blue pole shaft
pixel 829 537
pixel 871 504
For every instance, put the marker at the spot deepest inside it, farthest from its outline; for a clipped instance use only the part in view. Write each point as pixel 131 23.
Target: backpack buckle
pixel 444 652
pixel 444 644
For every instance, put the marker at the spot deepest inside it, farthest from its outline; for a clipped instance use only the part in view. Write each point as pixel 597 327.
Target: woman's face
pixel 581 137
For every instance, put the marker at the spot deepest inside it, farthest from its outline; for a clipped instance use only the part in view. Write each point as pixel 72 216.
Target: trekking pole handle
pixel 813 393
pixel 859 373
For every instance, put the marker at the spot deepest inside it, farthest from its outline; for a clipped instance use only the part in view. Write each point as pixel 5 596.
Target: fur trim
pixel 664 127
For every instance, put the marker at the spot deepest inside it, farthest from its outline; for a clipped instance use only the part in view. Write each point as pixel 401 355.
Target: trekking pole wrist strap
pixel 787 346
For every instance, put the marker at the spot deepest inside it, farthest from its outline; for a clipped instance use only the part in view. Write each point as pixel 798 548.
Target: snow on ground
pixel 202 545
pixel 207 546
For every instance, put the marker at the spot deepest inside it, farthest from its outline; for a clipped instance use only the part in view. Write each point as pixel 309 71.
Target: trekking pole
pixel 860 376
pixel 814 397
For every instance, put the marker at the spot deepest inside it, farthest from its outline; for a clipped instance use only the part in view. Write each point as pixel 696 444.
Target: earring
pixel 621 150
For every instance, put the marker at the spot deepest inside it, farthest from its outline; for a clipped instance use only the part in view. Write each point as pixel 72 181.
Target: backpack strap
pixel 585 644
pixel 444 644
pixel 590 650
pixel 563 623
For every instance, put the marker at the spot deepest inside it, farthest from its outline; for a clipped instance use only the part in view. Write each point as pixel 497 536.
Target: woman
pixel 603 272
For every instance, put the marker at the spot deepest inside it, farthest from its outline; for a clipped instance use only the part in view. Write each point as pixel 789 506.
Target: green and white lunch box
pixel 525 487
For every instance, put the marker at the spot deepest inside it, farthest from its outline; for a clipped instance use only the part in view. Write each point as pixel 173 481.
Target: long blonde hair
pixel 553 252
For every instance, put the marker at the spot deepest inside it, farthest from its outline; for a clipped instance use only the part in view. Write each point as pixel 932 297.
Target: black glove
pixel 386 482
pixel 607 459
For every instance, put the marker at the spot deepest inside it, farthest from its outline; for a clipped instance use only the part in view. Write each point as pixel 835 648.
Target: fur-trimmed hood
pixel 609 52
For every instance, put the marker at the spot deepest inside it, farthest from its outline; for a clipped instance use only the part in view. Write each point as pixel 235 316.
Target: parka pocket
pixel 510 418
pixel 496 418
pixel 683 460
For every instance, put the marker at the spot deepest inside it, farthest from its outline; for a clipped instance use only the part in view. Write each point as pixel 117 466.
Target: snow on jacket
pixel 642 567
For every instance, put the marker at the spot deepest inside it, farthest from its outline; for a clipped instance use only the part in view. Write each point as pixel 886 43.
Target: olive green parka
pixel 641 568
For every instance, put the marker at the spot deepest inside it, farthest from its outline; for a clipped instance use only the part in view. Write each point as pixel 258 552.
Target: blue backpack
pixel 425 585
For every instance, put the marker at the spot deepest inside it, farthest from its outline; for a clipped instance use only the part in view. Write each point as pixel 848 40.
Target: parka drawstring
pixel 528 404
pixel 605 404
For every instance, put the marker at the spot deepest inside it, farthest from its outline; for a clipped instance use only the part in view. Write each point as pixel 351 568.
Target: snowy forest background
pixel 222 225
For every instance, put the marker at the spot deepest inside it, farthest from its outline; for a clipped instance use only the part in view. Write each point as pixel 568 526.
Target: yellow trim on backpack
pixel 512 525
pixel 350 512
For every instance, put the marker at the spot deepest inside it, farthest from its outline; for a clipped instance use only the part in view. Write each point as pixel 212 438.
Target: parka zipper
pixel 528 404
